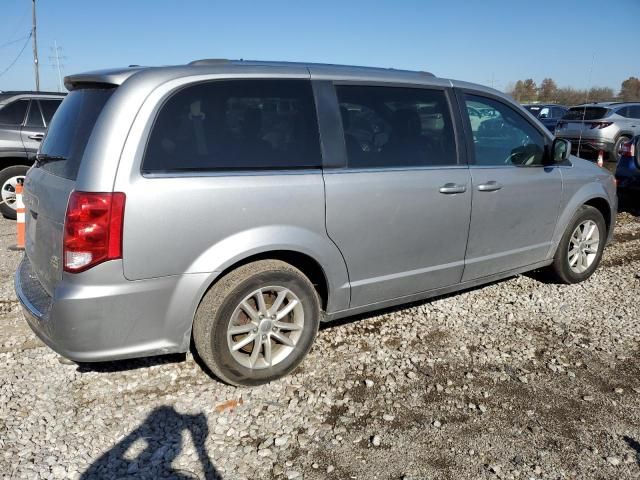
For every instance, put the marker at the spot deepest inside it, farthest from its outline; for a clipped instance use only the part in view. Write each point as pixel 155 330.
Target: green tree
pixel 548 90
pixel 630 89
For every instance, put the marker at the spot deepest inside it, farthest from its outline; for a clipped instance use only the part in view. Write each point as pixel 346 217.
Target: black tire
pixel 616 148
pixel 215 312
pixel 5 174
pixel 560 267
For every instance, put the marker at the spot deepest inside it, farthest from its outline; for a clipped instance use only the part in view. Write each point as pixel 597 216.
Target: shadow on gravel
pixel 131 364
pixel 635 445
pixel 162 433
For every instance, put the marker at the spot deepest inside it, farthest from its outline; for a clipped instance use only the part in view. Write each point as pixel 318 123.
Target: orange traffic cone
pixel 20 224
pixel 601 158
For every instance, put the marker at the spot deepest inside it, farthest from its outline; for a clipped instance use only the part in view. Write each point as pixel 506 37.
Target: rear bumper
pixel 88 319
pixel 589 146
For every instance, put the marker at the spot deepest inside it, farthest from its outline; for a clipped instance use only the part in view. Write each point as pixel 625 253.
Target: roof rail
pixel 221 61
pixel 209 61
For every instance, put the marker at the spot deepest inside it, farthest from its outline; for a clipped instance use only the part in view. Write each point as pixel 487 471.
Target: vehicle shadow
pixel 404 306
pixel 163 435
pixel 635 445
pixel 130 364
pixel 628 205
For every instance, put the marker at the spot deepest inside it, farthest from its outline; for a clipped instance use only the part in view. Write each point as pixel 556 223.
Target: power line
pixel 17 57
pixel 13 41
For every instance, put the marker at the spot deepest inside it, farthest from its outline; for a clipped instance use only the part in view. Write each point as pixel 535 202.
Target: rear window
pixel 236 125
pixel 70 129
pixel 586 113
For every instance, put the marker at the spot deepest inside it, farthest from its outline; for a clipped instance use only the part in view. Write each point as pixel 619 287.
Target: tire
pixel 580 271
pixel 616 147
pixel 221 308
pixel 7 186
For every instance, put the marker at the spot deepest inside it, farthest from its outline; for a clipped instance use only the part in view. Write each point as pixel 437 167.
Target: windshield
pixel 70 129
pixel 586 113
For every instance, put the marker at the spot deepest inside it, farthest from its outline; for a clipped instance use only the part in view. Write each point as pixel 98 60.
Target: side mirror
pixel 560 150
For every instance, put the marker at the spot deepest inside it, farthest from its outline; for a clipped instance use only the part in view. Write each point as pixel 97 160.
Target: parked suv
pixel 548 114
pixel 24 117
pixel 238 204
pixel 600 127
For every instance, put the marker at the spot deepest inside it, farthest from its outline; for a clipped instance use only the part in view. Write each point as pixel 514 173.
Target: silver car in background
pixel 600 127
pixel 239 204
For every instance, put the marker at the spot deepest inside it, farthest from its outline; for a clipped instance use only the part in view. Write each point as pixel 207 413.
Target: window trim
pixel 26 118
pixel 460 95
pixel 458 138
pixel 218 172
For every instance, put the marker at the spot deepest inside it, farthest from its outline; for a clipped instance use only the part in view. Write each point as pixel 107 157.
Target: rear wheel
pixel 9 178
pixel 616 148
pixel 257 323
pixel 580 250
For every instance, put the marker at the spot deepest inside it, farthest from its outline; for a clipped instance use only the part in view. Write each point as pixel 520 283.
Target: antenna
pixel 56 57
pixel 586 100
pixel 35 45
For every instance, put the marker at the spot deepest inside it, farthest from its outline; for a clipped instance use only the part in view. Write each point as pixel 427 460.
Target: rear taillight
pixel 600 125
pixel 627 149
pixel 92 229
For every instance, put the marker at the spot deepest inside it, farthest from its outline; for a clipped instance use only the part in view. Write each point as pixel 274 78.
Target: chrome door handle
pixel 37 136
pixel 491 186
pixel 450 188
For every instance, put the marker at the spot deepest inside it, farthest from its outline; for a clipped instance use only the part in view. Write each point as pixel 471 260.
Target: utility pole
pixel 35 45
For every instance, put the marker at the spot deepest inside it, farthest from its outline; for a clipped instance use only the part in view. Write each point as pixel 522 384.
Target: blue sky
pixel 477 41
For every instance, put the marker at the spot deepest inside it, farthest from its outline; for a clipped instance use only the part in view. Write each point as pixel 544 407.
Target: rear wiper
pixel 42 158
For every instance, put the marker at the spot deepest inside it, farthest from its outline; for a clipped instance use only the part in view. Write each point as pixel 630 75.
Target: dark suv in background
pixel 24 117
pixel 548 114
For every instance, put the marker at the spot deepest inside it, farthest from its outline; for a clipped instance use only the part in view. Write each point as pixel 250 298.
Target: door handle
pixel 450 188
pixel 490 186
pixel 37 136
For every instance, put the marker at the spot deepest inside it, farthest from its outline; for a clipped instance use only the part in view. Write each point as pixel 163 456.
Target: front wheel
pixel 580 249
pixel 257 323
pixel 9 178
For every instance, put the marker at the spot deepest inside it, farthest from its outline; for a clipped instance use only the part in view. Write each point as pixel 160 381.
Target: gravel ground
pixel 518 379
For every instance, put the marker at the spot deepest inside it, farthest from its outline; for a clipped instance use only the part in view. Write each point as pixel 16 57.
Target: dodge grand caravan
pixel 238 204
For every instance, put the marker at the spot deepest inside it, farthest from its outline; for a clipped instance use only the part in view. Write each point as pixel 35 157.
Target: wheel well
pixel 14 162
pixel 306 264
pixel 603 207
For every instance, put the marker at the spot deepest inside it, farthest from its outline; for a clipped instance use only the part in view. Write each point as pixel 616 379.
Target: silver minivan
pixel 238 204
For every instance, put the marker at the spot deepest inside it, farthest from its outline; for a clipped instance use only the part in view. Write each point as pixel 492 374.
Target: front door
pixel 515 196
pixel 33 130
pixel 399 211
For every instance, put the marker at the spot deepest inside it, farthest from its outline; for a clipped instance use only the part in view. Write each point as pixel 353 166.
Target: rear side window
pixel 49 107
pixel 634 111
pixel 236 125
pixel 13 113
pixel 69 131
pixel 586 113
pixel 396 127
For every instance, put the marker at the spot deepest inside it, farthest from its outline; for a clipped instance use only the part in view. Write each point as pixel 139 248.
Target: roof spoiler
pixel 100 78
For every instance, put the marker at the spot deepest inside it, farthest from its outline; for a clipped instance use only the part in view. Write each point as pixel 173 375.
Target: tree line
pixel 526 91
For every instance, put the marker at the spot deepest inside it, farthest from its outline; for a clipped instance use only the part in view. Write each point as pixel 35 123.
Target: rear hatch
pixel 579 120
pixel 50 182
